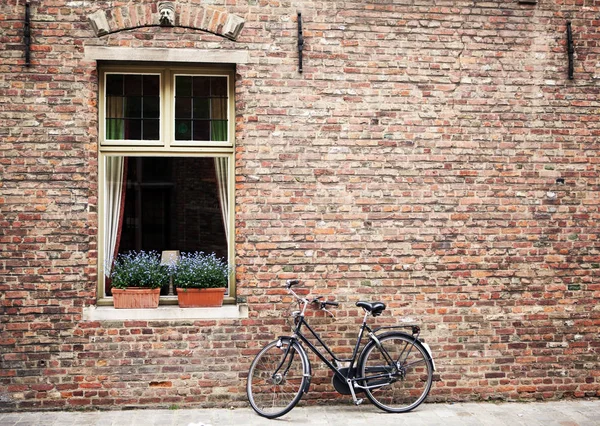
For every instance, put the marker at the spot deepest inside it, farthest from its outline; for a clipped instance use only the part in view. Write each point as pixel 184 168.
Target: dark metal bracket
pixel 27 35
pixel 300 42
pixel 570 49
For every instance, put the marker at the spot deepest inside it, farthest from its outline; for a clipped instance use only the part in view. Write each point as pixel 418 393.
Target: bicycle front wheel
pixel 398 376
pixel 277 378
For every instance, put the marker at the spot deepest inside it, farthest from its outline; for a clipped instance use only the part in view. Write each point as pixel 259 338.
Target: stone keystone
pixel 233 26
pixel 99 23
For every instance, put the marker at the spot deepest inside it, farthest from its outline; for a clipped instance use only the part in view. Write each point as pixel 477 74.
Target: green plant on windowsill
pixel 139 269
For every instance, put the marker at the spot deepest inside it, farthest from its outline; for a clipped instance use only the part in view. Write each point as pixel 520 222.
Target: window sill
pixel 165 313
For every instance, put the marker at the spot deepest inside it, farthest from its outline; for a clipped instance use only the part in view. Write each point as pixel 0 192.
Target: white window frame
pixel 166 146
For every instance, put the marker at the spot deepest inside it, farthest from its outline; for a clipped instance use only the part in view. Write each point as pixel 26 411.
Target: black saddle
pixel 375 308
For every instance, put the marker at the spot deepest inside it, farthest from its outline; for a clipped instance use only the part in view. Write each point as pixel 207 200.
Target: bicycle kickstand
pixel 357 401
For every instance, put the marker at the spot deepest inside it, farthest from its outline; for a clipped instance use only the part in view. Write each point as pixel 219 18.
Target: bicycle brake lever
pixel 329 312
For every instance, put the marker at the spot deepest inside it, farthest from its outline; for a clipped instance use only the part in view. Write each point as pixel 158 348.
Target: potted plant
pixel 201 280
pixel 136 280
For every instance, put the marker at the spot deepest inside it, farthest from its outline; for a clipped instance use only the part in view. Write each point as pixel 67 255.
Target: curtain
pixel 116 170
pixel 115 124
pixel 221 171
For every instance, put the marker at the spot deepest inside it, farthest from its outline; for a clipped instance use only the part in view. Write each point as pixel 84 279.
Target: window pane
pixel 151 130
pixel 114 106
pixel 219 109
pixel 183 130
pixel 183 107
pixel 201 86
pixel 171 203
pixel 133 107
pixel 133 129
pixel 151 107
pixel 115 129
pixel 151 85
pixel 219 130
pixel 114 85
pixel 201 108
pixel 205 100
pixel 133 85
pixel 218 86
pixel 130 98
pixel 201 130
pixel 183 86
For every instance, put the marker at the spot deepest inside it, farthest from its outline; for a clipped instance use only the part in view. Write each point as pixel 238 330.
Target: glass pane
pixel 174 200
pixel 201 130
pixel 183 130
pixel 183 86
pixel 133 85
pixel 219 130
pixel 183 107
pixel 114 107
pixel 131 97
pixel 201 108
pixel 151 129
pixel 218 86
pixel 219 109
pixel 133 129
pixel 114 129
pixel 201 86
pixel 151 107
pixel 133 107
pixel 114 84
pixel 151 85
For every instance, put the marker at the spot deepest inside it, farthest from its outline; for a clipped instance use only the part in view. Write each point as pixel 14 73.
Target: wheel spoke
pixel 275 380
pixel 410 385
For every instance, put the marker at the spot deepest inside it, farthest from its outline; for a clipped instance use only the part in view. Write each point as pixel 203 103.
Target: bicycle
pixel 394 369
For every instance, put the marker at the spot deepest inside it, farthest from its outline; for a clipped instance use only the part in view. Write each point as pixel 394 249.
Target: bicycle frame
pixel 349 379
pixel 298 334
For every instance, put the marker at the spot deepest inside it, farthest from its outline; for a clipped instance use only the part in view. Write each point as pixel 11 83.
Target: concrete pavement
pixel 559 413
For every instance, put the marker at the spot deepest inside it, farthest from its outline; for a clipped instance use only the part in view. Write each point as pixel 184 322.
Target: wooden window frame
pixel 166 146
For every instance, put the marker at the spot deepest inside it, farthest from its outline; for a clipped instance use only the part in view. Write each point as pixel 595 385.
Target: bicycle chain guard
pixel 341 386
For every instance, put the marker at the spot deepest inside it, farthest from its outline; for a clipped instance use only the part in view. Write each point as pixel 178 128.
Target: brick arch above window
pixel 205 18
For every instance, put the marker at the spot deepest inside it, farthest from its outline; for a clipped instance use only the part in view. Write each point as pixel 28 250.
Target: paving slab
pixel 553 413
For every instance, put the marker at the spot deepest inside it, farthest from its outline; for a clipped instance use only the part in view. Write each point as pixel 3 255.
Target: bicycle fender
pixel 409 336
pixel 428 349
pixel 305 361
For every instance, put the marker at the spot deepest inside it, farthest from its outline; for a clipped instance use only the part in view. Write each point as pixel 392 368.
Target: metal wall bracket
pixel 27 35
pixel 570 50
pixel 300 42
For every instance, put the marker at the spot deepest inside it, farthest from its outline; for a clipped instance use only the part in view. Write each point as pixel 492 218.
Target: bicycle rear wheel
pixel 277 378
pixel 400 385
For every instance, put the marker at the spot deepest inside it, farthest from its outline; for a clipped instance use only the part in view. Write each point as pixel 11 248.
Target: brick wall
pixel 433 154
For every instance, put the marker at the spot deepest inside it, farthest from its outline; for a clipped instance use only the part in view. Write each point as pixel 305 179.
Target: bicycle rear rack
pixel 415 329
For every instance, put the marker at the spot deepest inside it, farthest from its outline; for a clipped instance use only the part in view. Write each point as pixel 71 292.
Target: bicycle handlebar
pixel 290 283
pixel 322 305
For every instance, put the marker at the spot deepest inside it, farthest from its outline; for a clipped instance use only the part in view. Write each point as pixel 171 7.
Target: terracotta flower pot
pixel 135 297
pixel 200 297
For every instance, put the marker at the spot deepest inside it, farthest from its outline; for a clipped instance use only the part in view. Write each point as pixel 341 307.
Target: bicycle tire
pixel 277 378
pixel 411 377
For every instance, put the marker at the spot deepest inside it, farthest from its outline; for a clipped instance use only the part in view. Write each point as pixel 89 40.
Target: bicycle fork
pixel 279 377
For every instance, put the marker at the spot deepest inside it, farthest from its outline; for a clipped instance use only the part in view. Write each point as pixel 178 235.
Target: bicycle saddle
pixel 375 308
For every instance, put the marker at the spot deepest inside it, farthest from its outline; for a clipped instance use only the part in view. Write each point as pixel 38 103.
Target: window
pixel 166 156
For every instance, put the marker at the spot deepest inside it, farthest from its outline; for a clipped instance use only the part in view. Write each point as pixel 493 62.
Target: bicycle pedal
pixel 358 401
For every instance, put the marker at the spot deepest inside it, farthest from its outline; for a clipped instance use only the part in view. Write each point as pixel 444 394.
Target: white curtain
pixel 221 170
pixel 113 196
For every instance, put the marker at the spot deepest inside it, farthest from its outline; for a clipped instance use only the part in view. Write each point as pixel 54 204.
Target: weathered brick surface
pixel 433 154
